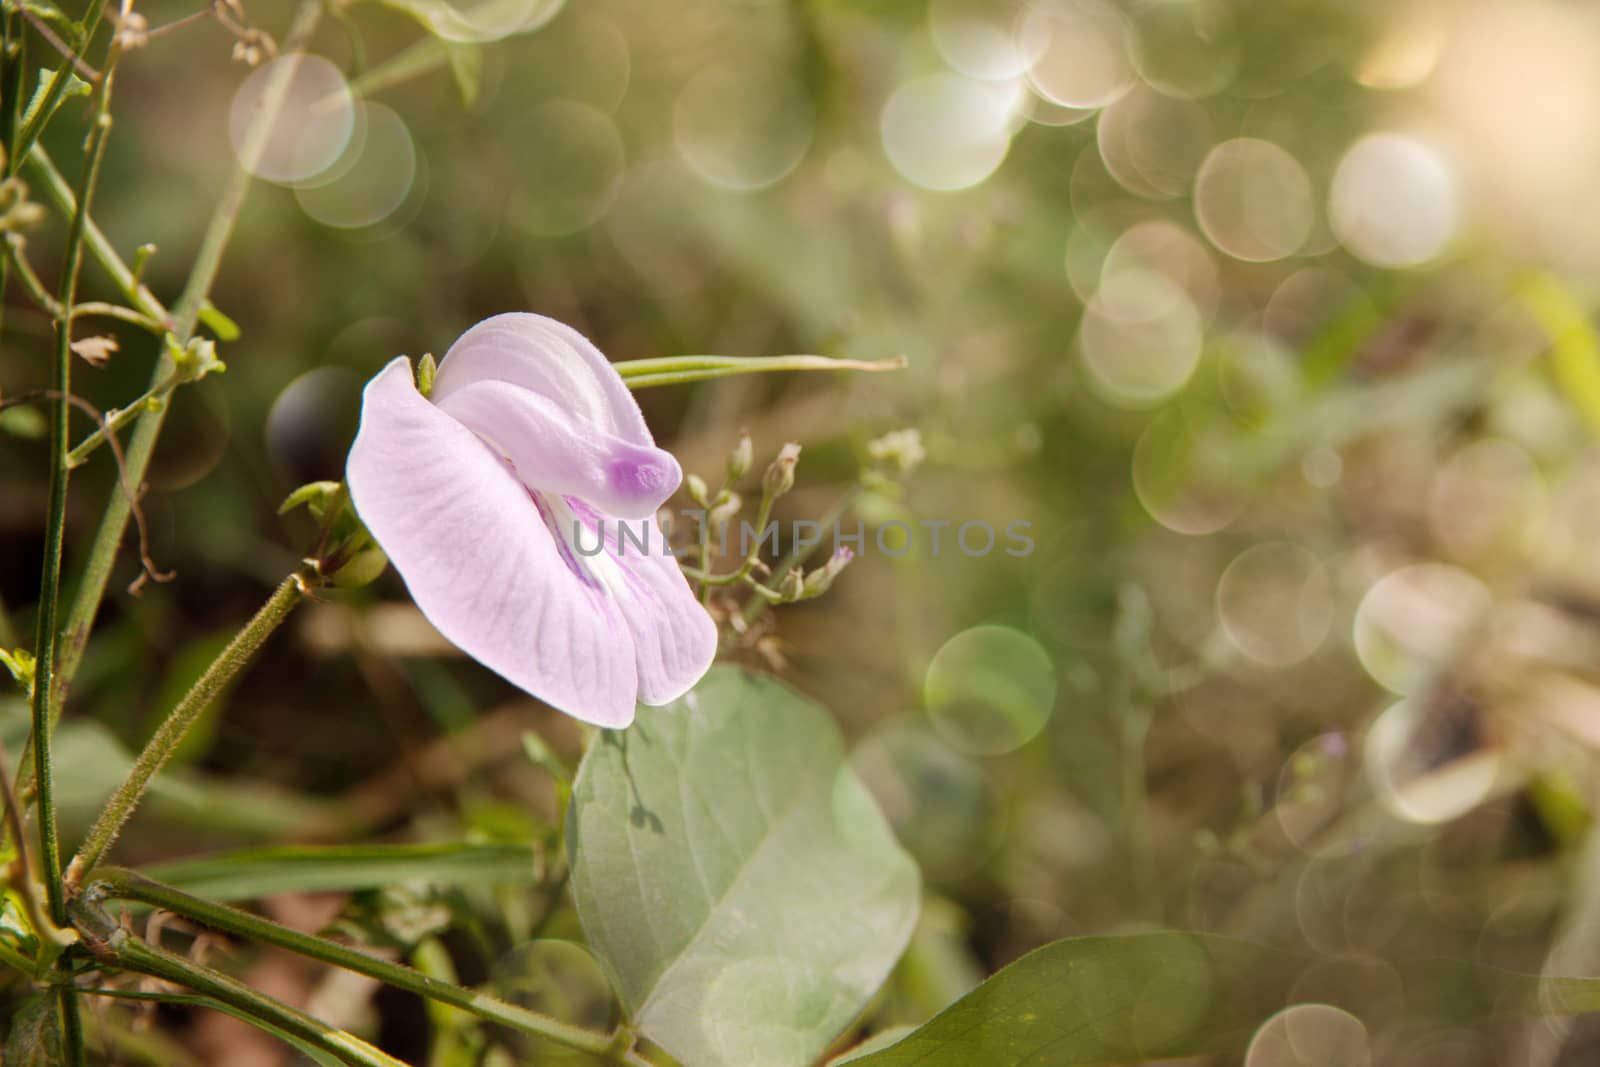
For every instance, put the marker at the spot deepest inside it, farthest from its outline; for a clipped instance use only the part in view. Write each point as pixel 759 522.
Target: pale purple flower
pixel 477 492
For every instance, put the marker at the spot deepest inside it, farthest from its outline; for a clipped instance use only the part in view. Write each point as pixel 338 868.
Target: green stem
pixel 17 961
pixel 72 1045
pixel 34 126
pixel 741 575
pixel 44 687
pixel 30 279
pixel 118 884
pixel 798 555
pixel 97 308
pixel 117 421
pixel 245 644
pixel 208 261
pixel 13 69
pixel 117 947
pixel 100 246
pixel 679 370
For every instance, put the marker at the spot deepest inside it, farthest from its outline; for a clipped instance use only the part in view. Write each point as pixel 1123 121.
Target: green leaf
pixel 75 86
pixel 1101 1000
pixel 304 868
pixel 734 876
pixel 679 370
pixel 35 1036
pixel 218 323
pixel 881 1040
pixel 91 763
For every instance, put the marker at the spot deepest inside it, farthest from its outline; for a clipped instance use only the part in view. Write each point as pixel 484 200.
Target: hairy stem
pixel 118 884
pixel 72 1045
pixel 245 644
pixel 45 687
pixel 116 947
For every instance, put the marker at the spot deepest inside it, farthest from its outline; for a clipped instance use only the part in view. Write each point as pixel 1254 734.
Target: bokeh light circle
pixel 481 21
pixel 1153 144
pixel 1310 1035
pixel 1185 48
pixel 1254 200
pixel 989 690
pixel 1167 248
pixel 315 119
pixel 1180 477
pixel 1413 619
pixel 1402 774
pixel 974 41
pixel 1486 497
pixel 1394 201
pixel 375 183
pixel 742 129
pixel 1275 603
pixel 312 421
pixel 945 132
pixel 1140 338
pixel 1078 52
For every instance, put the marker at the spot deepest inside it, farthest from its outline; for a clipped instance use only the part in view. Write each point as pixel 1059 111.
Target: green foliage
pixel 306 869
pixel 72 86
pixel 1091 1000
pixel 34 1039
pixel 734 877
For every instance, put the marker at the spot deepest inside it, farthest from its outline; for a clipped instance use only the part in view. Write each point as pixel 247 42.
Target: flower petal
pixel 551 359
pixel 480 559
pixel 555 454
pixel 674 638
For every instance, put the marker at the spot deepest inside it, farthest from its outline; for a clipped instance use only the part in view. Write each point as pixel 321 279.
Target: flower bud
pixel 741 457
pixel 314 496
pixel 726 507
pixel 779 477
pixel 22 666
pixel 792 585
pixel 360 569
pixel 695 486
pixel 901 450
pixel 196 359
pixel 818 581
pixel 427 370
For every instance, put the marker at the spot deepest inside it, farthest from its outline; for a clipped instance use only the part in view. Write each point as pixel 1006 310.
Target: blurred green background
pixel 1273 321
